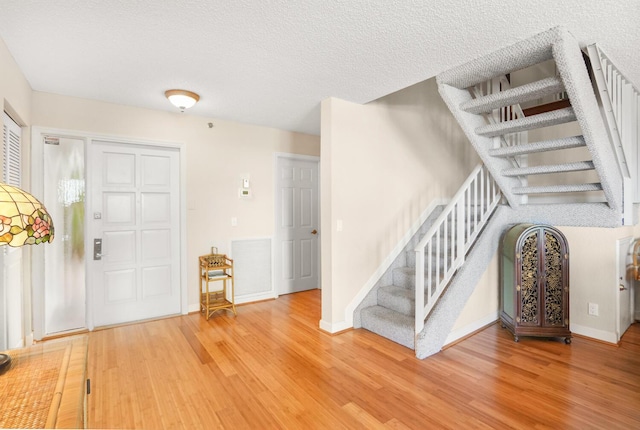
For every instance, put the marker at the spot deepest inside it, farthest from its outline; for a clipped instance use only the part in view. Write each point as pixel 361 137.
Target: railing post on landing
pixel 460 224
pixel 419 290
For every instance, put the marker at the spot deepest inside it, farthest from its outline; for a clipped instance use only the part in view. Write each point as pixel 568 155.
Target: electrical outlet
pixel 593 309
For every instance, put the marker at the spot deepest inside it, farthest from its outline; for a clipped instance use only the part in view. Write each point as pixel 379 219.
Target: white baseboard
pixel 470 328
pixel 386 263
pixel 335 327
pixel 248 298
pixel 605 336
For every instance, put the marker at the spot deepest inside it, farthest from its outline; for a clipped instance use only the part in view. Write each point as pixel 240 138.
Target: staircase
pixel 420 306
pixel 516 181
pixel 431 259
pixel 389 308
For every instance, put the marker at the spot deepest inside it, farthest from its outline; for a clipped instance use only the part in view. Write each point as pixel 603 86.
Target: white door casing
pixel 624 285
pixel 135 212
pixel 13 298
pixel 297 223
pixel 11 284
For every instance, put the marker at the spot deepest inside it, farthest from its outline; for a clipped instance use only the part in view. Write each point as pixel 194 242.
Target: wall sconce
pixel 182 99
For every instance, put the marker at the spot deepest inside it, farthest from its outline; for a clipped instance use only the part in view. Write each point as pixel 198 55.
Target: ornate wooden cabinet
pixel 534 295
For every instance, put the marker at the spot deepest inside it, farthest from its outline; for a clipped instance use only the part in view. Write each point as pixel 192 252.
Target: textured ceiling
pixel 272 62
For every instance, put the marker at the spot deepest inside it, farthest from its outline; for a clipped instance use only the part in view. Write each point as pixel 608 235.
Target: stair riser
pixel 401 332
pixel 400 304
pixel 543 146
pixel 518 95
pixel 561 116
pixel 408 281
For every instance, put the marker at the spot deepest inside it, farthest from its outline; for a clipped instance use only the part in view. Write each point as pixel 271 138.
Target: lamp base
pixel 5 363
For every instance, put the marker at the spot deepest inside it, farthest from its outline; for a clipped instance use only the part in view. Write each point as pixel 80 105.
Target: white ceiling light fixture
pixel 182 99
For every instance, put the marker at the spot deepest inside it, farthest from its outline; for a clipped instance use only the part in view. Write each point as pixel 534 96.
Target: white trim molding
pixel 470 328
pixel 605 336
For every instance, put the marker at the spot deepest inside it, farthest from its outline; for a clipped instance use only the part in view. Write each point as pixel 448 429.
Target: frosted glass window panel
pixel 64 198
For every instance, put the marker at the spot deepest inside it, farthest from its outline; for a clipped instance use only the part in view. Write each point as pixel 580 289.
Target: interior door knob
pixel 314 231
pixel 622 287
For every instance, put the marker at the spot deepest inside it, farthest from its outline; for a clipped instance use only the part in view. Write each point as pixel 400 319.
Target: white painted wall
pixel 382 164
pixel 217 159
pixel 15 91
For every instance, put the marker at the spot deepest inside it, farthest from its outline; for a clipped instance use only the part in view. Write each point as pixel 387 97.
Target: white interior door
pixel 296 253
pixel 135 215
pixel 625 281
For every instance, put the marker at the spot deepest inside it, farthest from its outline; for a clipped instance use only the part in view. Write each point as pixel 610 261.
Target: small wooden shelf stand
pixel 215 268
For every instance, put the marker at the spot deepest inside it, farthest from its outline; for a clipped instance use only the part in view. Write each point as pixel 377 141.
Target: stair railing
pixel 450 238
pixel 616 93
pixel 621 107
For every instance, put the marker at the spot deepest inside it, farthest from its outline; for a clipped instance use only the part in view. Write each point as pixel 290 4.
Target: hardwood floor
pixel 271 367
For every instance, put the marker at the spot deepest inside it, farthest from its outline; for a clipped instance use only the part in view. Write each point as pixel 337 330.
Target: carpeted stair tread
pixel 546 119
pixel 398 299
pixel 390 324
pixel 524 93
pixel 549 168
pixel 573 188
pixel 541 146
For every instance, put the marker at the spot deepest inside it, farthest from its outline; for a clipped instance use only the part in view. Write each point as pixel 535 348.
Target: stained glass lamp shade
pixel 23 219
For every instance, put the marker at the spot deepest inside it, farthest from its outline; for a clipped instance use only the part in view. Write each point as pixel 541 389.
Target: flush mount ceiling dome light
pixel 182 99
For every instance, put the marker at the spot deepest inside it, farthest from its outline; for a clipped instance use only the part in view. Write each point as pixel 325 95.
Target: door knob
pixel 622 287
pixel 314 231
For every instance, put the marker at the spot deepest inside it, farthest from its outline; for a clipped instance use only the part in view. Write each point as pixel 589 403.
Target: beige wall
pixel 592 277
pixel 15 93
pixel 483 305
pixel 382 165
pixel 217 159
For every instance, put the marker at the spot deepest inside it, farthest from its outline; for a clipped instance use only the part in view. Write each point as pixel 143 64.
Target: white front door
pixel 135 214
pixel 624 285
pixel 297 224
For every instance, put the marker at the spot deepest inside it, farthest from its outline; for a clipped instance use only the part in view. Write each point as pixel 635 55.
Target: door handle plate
pixel 97 249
